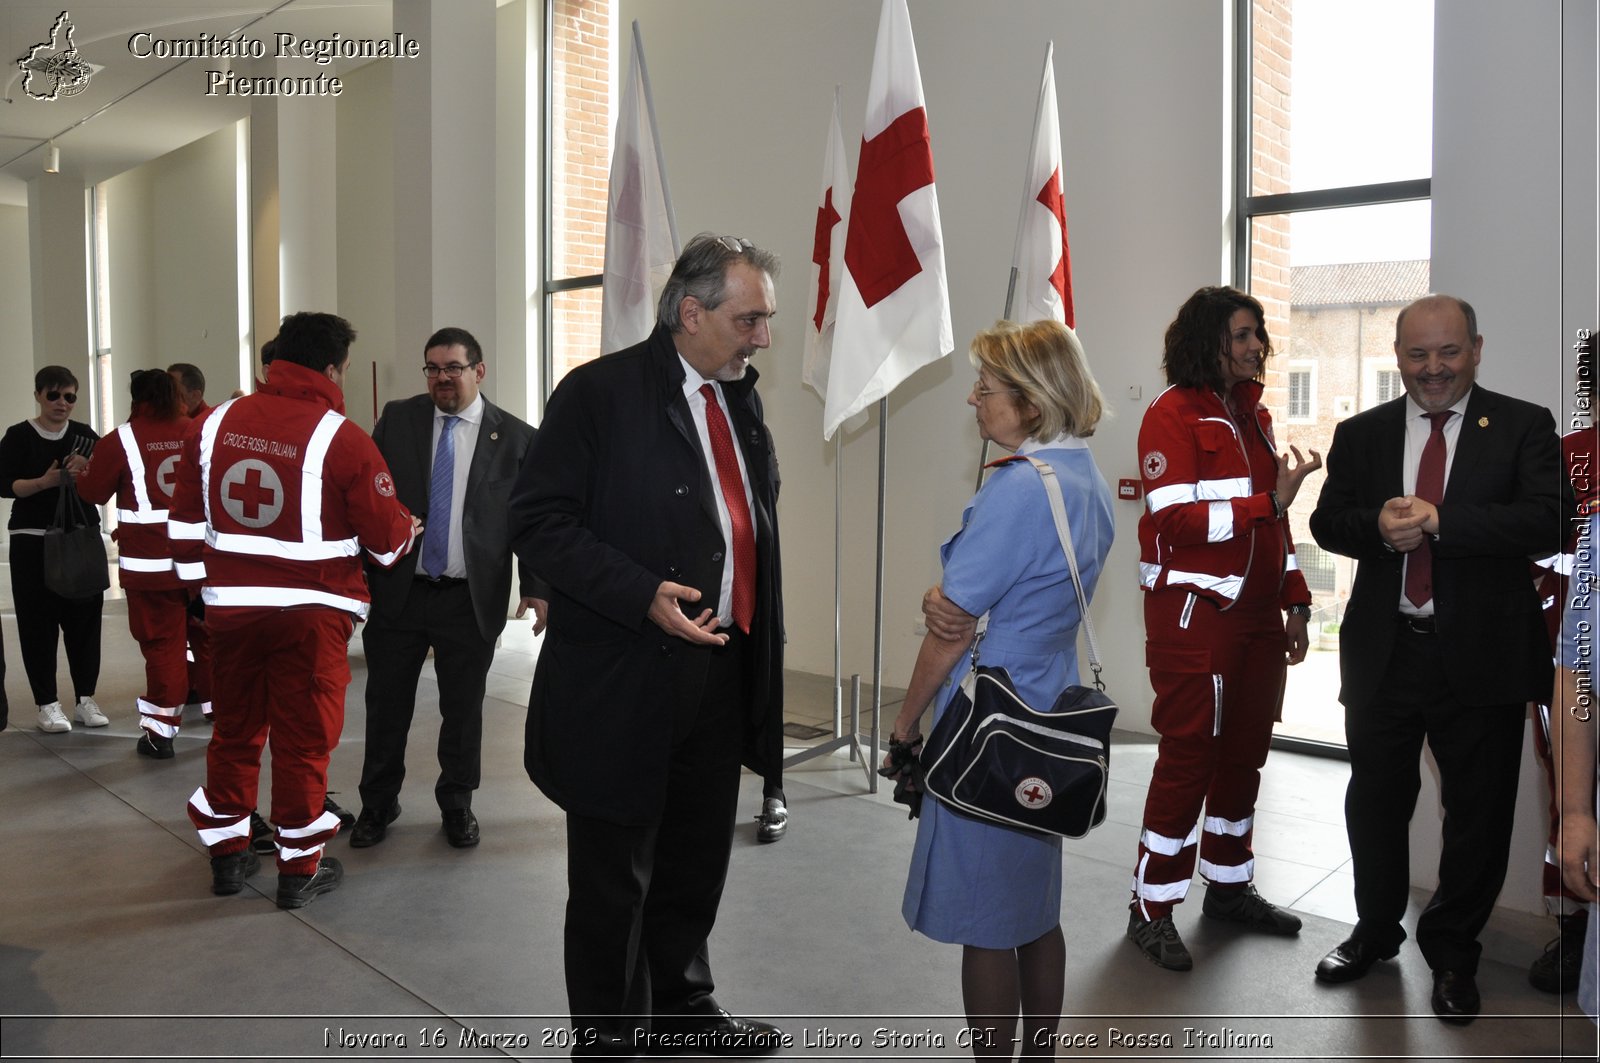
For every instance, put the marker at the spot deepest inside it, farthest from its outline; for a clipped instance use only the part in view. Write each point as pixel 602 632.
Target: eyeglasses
pixel 736 244
pixel 69 397
pixel 452 371
pixel 982 392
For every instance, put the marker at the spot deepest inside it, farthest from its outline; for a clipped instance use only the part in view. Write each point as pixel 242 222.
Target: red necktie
pixel 744 536
pixel 1430 486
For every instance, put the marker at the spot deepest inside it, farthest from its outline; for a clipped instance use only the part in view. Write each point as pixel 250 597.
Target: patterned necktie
pixel 1430 486
pixel 744 538
pixel 436 544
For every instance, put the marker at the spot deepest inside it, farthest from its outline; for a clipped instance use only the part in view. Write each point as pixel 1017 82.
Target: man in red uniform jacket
pixel 277 496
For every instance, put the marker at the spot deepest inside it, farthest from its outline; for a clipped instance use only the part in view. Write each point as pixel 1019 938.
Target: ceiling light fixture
pixel 52 158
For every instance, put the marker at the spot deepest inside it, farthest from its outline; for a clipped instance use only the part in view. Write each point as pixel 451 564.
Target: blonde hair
pixel 1045 362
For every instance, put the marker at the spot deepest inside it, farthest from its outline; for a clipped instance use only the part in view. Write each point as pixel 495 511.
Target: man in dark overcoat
pixel 649 499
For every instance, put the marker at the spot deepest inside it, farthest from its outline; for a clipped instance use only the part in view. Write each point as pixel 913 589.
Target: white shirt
pixel 466 440
pixel 692 383
pixel 1418 429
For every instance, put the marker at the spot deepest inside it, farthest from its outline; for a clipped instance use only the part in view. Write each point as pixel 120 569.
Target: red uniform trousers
pixel 156 621
pixel 1218 679
pixel 280 674
pixel 199 660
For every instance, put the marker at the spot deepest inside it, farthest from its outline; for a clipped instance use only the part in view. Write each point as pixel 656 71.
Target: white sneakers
pixel 89 714
pixel 52 719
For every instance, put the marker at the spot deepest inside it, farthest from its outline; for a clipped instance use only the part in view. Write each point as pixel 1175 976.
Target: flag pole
pixel 1022 221
pixel 655 134
pixel 877 595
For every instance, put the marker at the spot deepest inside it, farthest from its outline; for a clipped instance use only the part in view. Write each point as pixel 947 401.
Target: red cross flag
pixel 827 258
pixel 1043 263
pixel 641 233
pixel 894 304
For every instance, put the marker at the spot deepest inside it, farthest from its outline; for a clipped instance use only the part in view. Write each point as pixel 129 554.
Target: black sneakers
pixel 1557 970
pixel 297 891
pixel 154 745
pixel 1250 909
pixel 1158 939
pixel 229 872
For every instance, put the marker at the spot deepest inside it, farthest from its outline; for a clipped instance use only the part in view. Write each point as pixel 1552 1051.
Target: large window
pixel 580 45
pixel 1334 168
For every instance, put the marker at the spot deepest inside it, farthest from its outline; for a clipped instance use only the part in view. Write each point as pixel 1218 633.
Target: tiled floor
pixel 111 945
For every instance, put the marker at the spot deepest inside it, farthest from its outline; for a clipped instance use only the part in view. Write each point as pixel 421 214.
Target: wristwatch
pixel 1302 611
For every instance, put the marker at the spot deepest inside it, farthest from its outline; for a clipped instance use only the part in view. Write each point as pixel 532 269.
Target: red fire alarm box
pixel 1131 490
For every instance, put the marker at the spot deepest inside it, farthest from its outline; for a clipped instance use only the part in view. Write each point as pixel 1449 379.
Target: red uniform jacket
pixel 1202 513
pixel 138 463
pixel 277 496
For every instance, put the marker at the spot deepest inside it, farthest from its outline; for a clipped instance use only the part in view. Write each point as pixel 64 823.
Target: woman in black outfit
pixel 34 456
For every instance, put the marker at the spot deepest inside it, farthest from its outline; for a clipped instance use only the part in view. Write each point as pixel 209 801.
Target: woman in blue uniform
pixel 993 890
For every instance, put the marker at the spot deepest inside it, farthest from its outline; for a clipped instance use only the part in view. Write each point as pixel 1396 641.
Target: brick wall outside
pixel 581 103
pixel 1272 53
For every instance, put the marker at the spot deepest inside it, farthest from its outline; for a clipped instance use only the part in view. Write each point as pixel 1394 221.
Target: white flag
pixel 894 304
pixel 1044 265
pixel 641 235
pixel 827 258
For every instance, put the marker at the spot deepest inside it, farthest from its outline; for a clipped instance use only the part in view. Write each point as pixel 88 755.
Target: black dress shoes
pixel 1455 996
pixel 460 827
pixel 1351 960
pixel 714 1034
pixel 373 824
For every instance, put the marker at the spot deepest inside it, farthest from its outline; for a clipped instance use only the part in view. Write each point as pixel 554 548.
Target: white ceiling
pixel 134 109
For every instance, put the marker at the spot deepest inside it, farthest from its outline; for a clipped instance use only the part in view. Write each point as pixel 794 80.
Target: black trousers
pixel 1478 750
pixel 642 899
pixel 439 616
pixel 41 615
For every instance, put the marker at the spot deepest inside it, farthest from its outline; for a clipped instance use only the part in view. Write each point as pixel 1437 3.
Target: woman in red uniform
pixel 1217 563
pixel 136 463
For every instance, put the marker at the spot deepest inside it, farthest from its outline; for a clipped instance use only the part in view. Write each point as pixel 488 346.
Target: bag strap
pixel 1058 510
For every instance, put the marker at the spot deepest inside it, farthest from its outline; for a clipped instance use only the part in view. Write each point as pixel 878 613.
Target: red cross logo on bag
pixel 1033 792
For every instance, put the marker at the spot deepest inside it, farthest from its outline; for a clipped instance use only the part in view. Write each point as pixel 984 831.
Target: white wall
pixel 743 92
pixel 173 266
pixel 366 240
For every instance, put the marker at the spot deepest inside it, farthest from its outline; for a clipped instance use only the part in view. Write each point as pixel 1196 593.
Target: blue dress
pixel 972 883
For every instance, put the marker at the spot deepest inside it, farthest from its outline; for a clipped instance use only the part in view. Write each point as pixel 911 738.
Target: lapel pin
pixel 1483 422
pixel 496 435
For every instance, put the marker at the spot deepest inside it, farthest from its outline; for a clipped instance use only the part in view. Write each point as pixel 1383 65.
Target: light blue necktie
pixel 436 543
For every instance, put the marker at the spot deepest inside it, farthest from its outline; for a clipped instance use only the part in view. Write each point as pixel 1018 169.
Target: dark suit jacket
pixel 614 498
pixel 404 435
pixel 1507 500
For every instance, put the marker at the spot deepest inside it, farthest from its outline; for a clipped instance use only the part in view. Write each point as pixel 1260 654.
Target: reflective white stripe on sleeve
pixel 182 529
pixel 1171 495
pixel 1292 564
pixel 1148 574
pixel 190 571
pixel 262 546
pixel 388 559
pixel 1227 586
pixel 208 443
pixel 145 516
pixel 1219 522
pixel 1228 873
pixel 144 564
pixel 280 598
pixel 311 476
pixel 1167 846
pixel 1233 487
pixel 1560 563
pixel 141 491
pixel 1236 827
